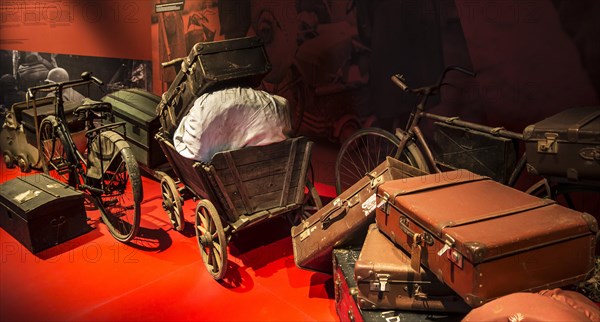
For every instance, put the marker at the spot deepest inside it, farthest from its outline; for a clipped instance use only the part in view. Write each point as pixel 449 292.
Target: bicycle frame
pixel 77 161
pixel 414 133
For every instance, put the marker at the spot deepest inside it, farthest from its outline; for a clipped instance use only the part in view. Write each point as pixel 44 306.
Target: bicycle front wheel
pixel 119 179
pixel 365 150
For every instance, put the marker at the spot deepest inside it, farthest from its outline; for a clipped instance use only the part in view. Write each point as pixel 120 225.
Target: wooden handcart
pixel 238 189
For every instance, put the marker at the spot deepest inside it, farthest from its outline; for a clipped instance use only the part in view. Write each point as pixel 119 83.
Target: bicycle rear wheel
pixel 120 180
pixel 54 151
pixel 365 150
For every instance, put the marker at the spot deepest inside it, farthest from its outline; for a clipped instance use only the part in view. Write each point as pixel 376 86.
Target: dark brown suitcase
pixel 41 212
pixel 346 303
pixel 343 220
pixel 137 108
pixel 386 280
pixel 566 145
pixel 484 239
pixel 209 66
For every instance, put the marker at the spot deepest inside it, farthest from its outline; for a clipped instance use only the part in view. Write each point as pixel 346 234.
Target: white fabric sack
pixel 230 119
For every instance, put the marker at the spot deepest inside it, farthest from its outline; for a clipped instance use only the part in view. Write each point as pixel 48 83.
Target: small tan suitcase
pixel 386 280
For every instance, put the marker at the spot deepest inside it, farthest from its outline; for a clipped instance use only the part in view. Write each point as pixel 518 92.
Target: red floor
pixel 161 276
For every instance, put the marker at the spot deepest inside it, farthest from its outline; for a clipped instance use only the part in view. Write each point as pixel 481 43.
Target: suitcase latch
pixel 549 145
pixel 376 181
pixel 381 284
pixel 448 244
pixel 384 203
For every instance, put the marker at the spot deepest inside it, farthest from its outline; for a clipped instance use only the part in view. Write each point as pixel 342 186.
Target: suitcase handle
pixel 403 222
pixel 328 219
pixel 338 204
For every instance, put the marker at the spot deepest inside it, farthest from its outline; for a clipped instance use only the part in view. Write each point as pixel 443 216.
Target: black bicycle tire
pixel 134 179
pixel 413 155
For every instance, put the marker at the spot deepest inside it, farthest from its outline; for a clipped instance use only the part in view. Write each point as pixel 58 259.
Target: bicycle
pixel 367 148
pixel 108 172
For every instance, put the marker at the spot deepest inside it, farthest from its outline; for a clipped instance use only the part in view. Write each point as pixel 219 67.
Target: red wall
pixel 107 28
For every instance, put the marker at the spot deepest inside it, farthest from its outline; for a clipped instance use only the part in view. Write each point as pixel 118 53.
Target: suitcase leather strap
pixel 506 212
pixel 573 131
pixel 440 184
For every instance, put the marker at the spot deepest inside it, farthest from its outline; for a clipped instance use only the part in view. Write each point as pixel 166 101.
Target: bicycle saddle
pixel 94 106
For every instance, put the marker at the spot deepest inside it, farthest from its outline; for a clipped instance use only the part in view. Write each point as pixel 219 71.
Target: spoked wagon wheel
pixel 172 202
pixel 211 239
pixel 311 204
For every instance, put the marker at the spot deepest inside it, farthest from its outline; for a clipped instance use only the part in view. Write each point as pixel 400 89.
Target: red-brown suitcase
pixel 484 239
pixel 566 145
pixel 343 220
pixel 346 303
pixel 386 280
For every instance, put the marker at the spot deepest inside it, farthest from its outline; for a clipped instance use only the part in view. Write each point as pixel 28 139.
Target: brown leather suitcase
pixel 386 280
pixel 345 219
pixel 346 302
pixel 566 146
pixel 484 239
pixel 208 66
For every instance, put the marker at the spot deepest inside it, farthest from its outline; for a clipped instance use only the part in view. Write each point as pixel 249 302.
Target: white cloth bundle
pixel 230 119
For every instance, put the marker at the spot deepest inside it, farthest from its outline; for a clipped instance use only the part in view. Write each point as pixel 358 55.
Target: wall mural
pixel 20 70
pixel 320 64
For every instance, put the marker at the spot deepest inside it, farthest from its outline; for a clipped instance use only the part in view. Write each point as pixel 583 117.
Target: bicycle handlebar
pixel 428 90
pixel 86 78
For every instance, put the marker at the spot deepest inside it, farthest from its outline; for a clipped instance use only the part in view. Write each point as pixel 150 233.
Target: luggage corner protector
pixel 477 251
pixel 591 221
pixel 473 300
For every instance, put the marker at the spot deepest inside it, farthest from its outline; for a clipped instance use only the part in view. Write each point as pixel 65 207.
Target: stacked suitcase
pixel 484 239
pixel 210 66
pixel 444 243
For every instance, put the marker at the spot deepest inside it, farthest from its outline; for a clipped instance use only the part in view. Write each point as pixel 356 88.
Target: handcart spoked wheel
pixel 311 204
pixel 172 202
pixel 212 240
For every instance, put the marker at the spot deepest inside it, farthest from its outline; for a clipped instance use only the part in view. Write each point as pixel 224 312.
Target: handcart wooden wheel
pixel 211 239
pixel 172 202
pixel 311 204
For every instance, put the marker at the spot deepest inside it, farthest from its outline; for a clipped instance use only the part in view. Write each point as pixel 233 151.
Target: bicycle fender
pixel 97 162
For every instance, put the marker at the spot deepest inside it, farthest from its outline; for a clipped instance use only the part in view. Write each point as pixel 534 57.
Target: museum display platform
pixel 160 275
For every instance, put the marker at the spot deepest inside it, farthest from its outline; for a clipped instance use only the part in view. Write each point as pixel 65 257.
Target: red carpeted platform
pixel 160 276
